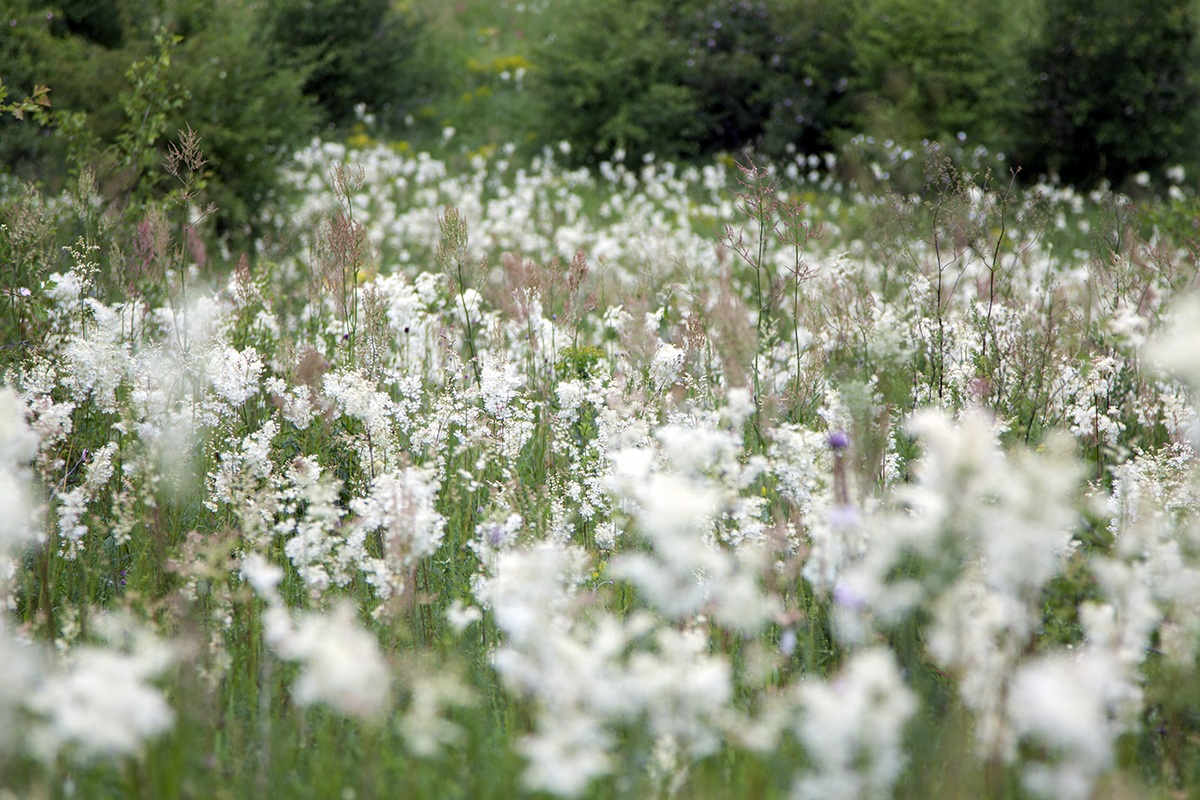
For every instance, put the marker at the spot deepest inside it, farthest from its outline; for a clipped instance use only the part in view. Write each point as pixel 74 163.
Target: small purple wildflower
pixel 849 597
pixel 843 517
pixel 838 440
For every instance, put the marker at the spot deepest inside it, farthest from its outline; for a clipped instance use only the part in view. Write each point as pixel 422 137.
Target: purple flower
pixel 838 440
pixel 843 517
pixel 848 597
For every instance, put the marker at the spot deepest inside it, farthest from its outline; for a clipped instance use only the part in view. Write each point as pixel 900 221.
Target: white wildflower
pixel 1062 703
pixel 424 725
pixel 18 447
pixel 498 384
pixel 341 665
pixel 102 703
pixel 461 616
pixel 853 728
pixel 665 366
pixel 234 373
pixel 263 576
pixel 402 505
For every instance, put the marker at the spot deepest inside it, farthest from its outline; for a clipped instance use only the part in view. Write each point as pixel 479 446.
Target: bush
pixel 620 90
pixel 769 74
pixel 929 69
pixel 249 113
pixel 220 77
pixel 1114 92
pixel 355 52
pixel 686 77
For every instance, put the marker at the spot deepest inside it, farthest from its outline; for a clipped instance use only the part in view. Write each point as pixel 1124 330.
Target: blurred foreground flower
pixel 341 662
pixel 103 704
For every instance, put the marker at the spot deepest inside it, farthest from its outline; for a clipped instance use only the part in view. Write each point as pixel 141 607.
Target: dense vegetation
pixel 447 401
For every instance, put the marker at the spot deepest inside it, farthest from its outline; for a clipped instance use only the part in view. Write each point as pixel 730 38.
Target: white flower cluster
pixel 853 729
pixel 341 665
pixel 589 678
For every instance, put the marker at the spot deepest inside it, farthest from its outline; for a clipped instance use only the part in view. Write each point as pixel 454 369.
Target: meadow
pixel 648 480
pixel 483 474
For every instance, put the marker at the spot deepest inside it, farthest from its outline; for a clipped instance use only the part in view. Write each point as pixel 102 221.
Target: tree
pixel 1114 92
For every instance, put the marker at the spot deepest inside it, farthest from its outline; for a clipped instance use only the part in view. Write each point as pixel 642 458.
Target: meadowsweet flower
pixel 299 406
pixel 853 728
pixel 244 479
pixel 23 669
pixel 401 505
pixel 263 576
pixel 425 726
pixel 990 529
pixel 1061 703
pixel 1174 350
pixel 498 385
pixel 665 366
pixel 71 508
pixel 102 703
pixel 532 588
pixel 684 572
pixel 18 447
pixel 355 396
pixel 494 536
pixel 234 373
pixel 311 515
pixel 461 616
pixel 341 665
pixel 93 366
pixel 567 754
pixel 468 308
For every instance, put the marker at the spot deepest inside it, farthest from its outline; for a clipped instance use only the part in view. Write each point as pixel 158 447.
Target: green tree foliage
pixel 614 80
pixel 1114 90
pixel 252 78
pixel 119 99
pixel 768 73
pixel 248 111
pixel 354 51
pixel 929 69
pixel 683 77
pixel 101 22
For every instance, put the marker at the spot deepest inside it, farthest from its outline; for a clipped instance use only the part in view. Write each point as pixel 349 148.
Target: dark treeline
pixel 1083 90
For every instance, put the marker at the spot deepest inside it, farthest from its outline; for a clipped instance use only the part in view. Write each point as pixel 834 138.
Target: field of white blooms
pixel 638 481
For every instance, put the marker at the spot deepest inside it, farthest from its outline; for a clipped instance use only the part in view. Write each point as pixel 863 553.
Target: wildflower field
pixel 735 480
pixel 441 462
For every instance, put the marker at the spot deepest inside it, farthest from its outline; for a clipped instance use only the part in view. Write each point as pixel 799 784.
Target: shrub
pixel 249 112
pixel 1114 92
pixel 620 90
pixel 687 77
pixel 768 74
pixel 354 51
pixel 929 69
pixel 220 77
